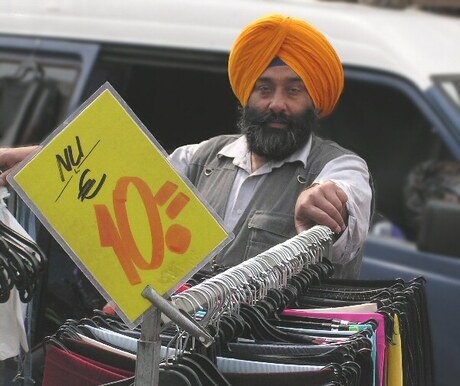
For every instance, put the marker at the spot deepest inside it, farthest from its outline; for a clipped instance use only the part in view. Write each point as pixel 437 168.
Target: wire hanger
pixel 29 67
pixel 21 260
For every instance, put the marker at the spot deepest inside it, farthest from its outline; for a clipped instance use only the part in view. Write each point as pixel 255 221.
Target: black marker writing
pixel 85 186
pixel 72 161
pixel 69 161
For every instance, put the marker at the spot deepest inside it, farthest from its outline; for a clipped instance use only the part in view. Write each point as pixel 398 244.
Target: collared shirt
pixel 348 171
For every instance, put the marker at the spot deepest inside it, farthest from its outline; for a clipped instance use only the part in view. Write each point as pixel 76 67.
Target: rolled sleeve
pixel 351 174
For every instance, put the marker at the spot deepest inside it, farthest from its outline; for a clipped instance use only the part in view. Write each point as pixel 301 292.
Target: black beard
pixel 276 144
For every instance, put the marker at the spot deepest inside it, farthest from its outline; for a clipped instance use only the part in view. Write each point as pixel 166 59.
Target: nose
pixel 278 102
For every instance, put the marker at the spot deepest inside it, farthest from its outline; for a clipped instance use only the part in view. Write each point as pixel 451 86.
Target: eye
pixel 263 88
pixel 294 90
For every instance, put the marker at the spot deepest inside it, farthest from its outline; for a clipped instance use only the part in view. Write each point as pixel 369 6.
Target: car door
pixel 396 129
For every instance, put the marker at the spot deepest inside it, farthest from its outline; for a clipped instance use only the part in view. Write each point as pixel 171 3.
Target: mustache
pixel 267 118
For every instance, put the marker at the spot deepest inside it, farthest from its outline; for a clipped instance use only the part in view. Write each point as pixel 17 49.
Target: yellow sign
pixel 105 190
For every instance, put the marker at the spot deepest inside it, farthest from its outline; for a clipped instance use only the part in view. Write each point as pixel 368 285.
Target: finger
pixel 338 198
pixel 341 195
pixel 333 199
pixel 3 175
pixel 319 216
pixel 328 201
pixel 323 204
pixel 2 158
pixel 334 192
pixel 303 224
pixel 317 210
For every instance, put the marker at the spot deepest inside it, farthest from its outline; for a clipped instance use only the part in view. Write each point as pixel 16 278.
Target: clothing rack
pixel 248 282
pixel 279 262
pixel 313 330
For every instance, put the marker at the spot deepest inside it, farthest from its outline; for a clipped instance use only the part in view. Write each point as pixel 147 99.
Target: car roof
pixel 411 43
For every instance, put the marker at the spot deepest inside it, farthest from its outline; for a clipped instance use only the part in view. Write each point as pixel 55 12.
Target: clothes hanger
pixel 364 356
pixel 260 278
pixel 261 329
pixel 352 373
pixel 253 317
pixel 208 366
pixel 170 377
pixel 115 323
pixel 52 339
pixel 6 279
pixel 228 331
pixel 307 323
pixel 29 67
pixel 205 378
pixel 189 373
pixel 17 272
pixel 14 236
pixel 123 382
pixel 189 365
pixel 21 264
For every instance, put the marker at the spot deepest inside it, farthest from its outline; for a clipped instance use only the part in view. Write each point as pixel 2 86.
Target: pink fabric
pixel 182 288
pixel 353 317
pixel 65 368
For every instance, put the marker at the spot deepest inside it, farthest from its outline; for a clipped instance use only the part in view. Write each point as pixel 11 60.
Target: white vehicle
pixel 168 59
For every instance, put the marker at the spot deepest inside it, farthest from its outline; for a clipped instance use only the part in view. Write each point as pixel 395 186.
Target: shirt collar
pixel 238 150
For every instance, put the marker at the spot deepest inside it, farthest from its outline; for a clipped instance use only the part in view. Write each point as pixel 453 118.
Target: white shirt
pixel 348 171
pixel 13 312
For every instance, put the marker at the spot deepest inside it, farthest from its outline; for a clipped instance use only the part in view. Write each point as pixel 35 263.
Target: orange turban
pixel 299 45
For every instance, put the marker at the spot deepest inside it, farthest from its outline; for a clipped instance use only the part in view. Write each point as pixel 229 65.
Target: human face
pixel 275 130
pixel 280 90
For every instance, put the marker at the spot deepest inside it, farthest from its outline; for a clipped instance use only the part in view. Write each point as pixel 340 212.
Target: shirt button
pixel 239 211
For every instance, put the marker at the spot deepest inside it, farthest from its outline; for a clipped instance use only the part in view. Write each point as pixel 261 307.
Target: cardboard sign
pixel 104 188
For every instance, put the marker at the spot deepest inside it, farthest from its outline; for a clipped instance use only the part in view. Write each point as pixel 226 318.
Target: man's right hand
pixel 9 157
pixel 322 204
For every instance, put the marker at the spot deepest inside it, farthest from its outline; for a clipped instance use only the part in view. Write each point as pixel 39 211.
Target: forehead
pixel 279 74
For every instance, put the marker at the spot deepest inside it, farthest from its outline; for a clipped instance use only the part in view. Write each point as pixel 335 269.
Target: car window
pixel 386 126
pixel 40 84
pixel 182 97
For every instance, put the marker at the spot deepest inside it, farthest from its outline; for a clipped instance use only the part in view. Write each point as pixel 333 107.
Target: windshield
pixel 34 92
pixel 451 88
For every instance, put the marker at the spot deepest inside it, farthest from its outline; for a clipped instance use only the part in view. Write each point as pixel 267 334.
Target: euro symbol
pixel 85 186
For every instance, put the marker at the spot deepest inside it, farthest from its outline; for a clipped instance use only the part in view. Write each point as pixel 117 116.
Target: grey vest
pixel 269 217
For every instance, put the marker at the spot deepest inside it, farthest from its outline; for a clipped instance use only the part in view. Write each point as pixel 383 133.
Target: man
pixel 278 178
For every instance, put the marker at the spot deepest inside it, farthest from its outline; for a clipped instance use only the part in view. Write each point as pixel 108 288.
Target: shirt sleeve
pixel 351 174
pixel 181 157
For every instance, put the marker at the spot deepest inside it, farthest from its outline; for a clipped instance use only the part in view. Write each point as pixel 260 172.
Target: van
pixel 400 109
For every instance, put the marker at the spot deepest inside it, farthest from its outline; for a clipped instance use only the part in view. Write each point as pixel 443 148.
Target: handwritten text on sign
pixel 69 162
pixel 117 207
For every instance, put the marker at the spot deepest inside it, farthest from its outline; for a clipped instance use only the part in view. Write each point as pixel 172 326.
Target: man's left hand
pixel 322 204
pixel 9 157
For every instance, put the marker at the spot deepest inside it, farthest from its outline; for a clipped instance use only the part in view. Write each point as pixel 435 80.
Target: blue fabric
pixel 277 62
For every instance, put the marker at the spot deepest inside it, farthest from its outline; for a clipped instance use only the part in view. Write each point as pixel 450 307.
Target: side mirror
pixel 440 228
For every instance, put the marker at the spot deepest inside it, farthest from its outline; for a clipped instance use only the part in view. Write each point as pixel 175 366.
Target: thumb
pixel 302 224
